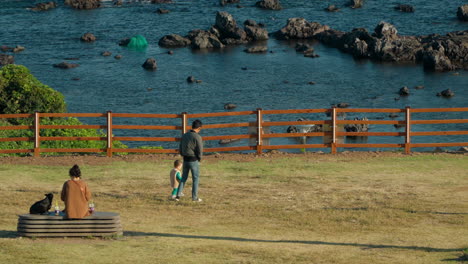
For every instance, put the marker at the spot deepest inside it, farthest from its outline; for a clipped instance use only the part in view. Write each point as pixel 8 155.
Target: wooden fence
pixel 330 134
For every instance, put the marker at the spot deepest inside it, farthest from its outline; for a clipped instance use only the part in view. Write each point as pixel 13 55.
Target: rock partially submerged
pixel 173 41
pixel 269 4
pixel 462 13
pixel 88 37
pixel 356 3
pixel 256 49
pixel 150 64
pixel 6 59
pixel 436 52
pixel 225 2
pixel 332 8
pixel 300 28
pixel 66 65
pixel 44 6
pixel 404 91
pixel 83 4
pixel 229 106
pixel 162 11
pixel 446 93
pixel 224 32
pixel 405 8
pixel 161 1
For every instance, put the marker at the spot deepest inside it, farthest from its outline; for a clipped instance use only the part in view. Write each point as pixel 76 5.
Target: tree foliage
pixel 21 92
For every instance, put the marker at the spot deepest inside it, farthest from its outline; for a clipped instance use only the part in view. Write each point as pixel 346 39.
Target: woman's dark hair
pixel 75 171
pixel 196 124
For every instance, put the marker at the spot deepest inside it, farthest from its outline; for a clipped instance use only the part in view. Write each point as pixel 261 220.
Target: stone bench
pixel 49 225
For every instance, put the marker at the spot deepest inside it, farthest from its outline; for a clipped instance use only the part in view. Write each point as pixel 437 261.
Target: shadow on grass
pixel 8 234
pixel 307 242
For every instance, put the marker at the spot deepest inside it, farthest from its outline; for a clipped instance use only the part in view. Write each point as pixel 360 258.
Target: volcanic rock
pixel 257 49
pixel 18 48
pixel 44 6
pixel 162 11
pixel 225 2
pixel 299 28
pixel 173 40
pixel 269 4
pixel 229 106
pixel 332 8
pixel 83 4
pixel 161 1
pixel 202 39
pixel 405 8
pixel 88 37
pixel 150 64
pixel 356 3
pixel 6 59
pixel 462 13
pixel 66 65
pixel 404 91
pixel 446 93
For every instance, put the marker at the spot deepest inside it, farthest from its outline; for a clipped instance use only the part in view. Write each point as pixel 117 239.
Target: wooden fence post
pixel 408 131
pixel 184 123
pixel 109 134
pixel 333 143
pixel 37 131
pixel 259 130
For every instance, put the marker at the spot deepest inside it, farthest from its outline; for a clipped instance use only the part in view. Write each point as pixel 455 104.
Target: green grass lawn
pixel 307 208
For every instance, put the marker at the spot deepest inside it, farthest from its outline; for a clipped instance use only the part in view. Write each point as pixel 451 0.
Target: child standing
pixel 175 177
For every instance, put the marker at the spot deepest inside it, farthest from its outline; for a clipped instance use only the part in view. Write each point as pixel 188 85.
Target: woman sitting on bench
pixel 76 194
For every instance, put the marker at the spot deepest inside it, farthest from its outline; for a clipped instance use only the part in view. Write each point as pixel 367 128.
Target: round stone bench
pixel 49 225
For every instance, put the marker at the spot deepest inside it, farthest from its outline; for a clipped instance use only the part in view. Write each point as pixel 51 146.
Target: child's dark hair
pixel 75 171
pixel 177 163
pixel 196 124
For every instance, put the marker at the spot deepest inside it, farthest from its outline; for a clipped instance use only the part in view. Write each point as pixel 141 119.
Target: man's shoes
pixel 197 200
pixel 181 194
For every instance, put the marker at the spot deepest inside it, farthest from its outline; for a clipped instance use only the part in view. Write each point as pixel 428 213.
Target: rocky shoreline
pixel 435 52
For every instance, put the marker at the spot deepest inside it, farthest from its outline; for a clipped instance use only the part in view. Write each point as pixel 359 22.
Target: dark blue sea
pixel 277 80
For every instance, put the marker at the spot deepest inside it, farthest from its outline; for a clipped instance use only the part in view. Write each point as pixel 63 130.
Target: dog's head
pixel 49 196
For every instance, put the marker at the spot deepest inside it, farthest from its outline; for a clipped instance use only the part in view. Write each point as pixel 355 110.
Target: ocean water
pixel 277 80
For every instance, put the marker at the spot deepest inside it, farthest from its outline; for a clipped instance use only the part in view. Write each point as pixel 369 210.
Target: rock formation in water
pixel 83 4
pixel 436 52
pixel 225 2
pixel 446 93
pixel 224 32
pixel 462 13
pixel 332 8
pixel 162 11
pixel 66 65
pixel 405 8
pixel 161 1
pixel 150 64
pixel 269 4
pixel 6 59
pixel 356 3
pixel 88 37
pixel 44 6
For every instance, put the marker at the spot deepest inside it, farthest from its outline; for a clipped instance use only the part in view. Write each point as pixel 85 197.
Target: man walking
pixel 191 148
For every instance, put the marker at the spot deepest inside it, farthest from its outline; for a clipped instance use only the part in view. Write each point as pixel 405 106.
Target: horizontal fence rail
pixel 257 123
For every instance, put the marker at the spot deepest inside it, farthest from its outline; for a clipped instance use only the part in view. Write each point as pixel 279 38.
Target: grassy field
pixel 312 208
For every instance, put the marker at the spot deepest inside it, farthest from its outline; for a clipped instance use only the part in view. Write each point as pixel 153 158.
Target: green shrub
pixel 62 144
pixel 21 92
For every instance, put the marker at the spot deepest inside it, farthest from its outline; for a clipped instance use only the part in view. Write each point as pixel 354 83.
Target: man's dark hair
pixel 75 171
pixel 196 124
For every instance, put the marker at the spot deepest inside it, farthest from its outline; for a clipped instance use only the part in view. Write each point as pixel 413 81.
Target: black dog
pixel 42 206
